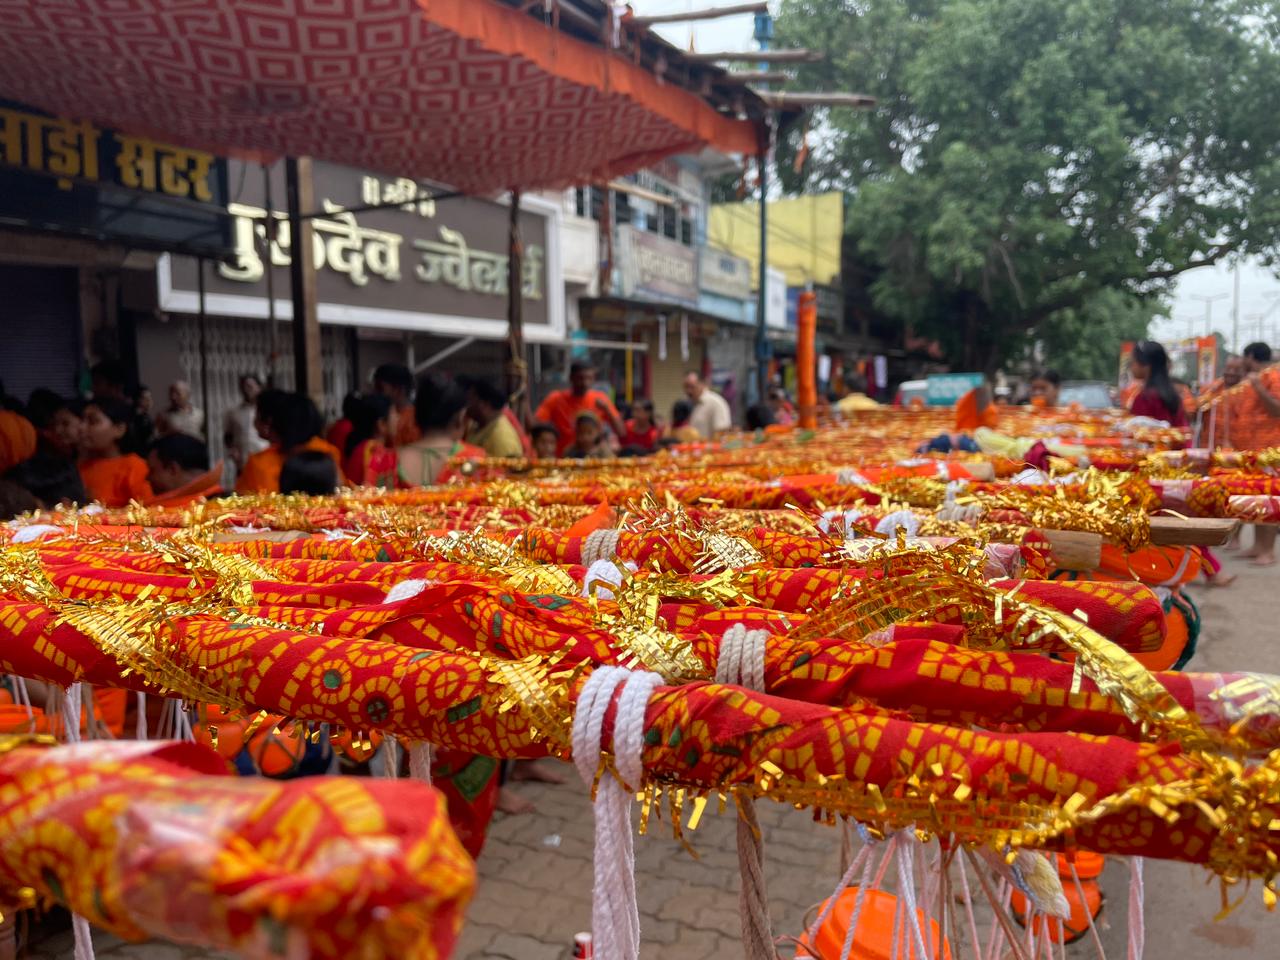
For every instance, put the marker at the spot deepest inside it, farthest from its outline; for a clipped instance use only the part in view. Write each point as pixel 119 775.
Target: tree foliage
pixel 1084 342
pixel 1027 156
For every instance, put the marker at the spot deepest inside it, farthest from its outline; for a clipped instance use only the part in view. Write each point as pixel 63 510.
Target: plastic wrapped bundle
pixel 154 840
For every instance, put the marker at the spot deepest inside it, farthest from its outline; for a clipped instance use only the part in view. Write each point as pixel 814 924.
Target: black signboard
pixel 69 176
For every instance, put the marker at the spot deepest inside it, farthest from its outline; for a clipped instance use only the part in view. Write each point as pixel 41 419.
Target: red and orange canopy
pixel 466 92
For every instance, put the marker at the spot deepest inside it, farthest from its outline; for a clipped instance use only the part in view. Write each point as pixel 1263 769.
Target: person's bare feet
pixel 1221 580
pixel 1263 560
pixel 530 771
pixel 511 803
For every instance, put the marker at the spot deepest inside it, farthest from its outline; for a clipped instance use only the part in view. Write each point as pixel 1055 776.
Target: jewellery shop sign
pixel 412 264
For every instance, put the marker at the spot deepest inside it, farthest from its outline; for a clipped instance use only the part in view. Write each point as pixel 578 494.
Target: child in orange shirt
pixel 111 475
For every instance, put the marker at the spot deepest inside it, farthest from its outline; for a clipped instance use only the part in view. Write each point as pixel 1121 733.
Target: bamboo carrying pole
pixel 1074 550
pixel 1192 531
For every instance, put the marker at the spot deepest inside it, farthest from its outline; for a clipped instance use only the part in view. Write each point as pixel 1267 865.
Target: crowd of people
pixel 113 449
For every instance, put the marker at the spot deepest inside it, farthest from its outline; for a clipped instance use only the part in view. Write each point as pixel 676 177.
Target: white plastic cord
pixel 953 488
pixel 83 937
pixel 846 948
pixel 21 694
pixel 1093 930
pixel 861 862
pixel 71 714
pixel 741 659
pixel 182 722
pixel 420 760
pixel 974 937
pixel 390 757
pixel 615 917
pixel 34 531
pixel 90 714
pixel 71 732
pixel 907 890
pixel 1137 921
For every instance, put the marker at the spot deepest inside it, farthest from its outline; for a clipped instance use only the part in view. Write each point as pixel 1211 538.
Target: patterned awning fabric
pixel 464 92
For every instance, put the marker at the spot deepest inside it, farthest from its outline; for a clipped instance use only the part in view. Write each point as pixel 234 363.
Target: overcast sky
pixel 1259 288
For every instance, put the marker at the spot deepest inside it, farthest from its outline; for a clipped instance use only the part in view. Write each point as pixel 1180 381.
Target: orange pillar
pixel 806 359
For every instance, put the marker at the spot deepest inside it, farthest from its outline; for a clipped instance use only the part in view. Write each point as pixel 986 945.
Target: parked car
pixel 908 390
pixel 1086 394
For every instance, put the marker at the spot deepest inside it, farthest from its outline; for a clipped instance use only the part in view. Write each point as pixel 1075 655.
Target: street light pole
pixel 1208 310
pixel 1235 309
pixel 763 34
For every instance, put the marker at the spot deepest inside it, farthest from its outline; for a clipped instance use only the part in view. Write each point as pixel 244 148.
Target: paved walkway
pixel 535 874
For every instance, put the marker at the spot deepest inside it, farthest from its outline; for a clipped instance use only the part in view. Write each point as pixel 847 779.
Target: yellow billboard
pixel 804 236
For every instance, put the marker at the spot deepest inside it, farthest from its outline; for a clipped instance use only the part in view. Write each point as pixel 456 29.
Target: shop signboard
pixel 387 255
pixel 68 176
pixel 724 274
pixel 944 389
pixel 775 301
pixel 659 269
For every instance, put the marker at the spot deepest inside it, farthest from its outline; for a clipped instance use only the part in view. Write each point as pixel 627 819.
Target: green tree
pixel 1027 155
pixel 1084 342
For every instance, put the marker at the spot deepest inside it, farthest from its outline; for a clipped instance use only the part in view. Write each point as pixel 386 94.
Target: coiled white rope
pixel 615 917
pixel 741 659
pixel 969 513
pixel 905 519
pixel 600 545
pixel 842 521
pixel 603 574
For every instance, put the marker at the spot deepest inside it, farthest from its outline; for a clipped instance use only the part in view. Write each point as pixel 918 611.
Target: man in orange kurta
pixel 561 408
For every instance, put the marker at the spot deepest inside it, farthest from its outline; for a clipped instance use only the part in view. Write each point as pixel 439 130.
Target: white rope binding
pixel 905 519
pixel 741 659
pixel 615 917
pixel 599 545
pixel 603 574
pixel 741 662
